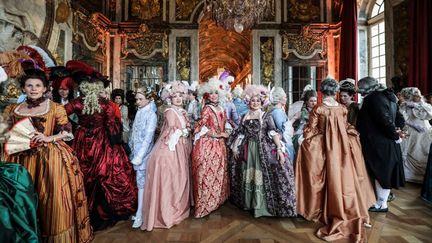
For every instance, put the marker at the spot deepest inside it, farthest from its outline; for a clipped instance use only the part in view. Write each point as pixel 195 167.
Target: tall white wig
pixel 211 86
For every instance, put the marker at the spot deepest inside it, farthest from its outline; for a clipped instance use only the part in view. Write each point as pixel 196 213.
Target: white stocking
pixel 382 196
pixel 140 203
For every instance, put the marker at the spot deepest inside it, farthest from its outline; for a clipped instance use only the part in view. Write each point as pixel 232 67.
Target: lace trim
pixel 16 110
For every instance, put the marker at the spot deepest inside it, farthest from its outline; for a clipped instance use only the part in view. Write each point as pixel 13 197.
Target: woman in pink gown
pixel 209 156
pixel 167 187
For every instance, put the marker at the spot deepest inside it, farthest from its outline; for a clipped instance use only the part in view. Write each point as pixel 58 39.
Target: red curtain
pixel 420 45
pixel 348 45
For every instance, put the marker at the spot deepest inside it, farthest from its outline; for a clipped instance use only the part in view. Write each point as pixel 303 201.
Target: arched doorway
pixel 220 49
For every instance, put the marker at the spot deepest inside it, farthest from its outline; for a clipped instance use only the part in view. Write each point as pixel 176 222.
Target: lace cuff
pixel 272 133
pixel 68 136
pixel 173 139
pixel 228 128
pixel 238 141
pixel 201 133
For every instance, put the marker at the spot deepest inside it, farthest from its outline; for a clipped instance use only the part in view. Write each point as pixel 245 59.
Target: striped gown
pixel 62 205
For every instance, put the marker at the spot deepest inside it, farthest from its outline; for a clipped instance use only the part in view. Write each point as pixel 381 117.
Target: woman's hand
pixel 41 138
pixel 281 156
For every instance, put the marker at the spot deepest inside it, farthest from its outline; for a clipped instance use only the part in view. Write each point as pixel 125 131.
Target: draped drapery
pixel 420 45
pixel 348 47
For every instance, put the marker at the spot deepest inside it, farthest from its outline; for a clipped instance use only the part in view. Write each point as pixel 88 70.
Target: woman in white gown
pixel 416 146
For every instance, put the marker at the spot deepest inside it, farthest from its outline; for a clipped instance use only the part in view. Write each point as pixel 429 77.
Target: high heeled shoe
pixel 137 223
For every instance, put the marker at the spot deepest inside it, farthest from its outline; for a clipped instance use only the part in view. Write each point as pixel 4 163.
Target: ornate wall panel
pixel 183 58
pixel 267 60
pixel 89 30
pixel 144 44
pixel 89 39
pixel 305 45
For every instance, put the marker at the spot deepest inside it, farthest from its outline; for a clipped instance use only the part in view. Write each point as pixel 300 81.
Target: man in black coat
pixel 380 138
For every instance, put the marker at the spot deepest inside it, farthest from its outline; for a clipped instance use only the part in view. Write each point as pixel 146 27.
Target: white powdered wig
pixel 211 86
pixel 276 95
pixel 91 91
pixel 237 92
pixel 256 90
pixel 171 88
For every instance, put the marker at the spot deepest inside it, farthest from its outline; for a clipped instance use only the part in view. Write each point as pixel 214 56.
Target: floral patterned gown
pixel 209 162
pixel 55 171
pixel 258 181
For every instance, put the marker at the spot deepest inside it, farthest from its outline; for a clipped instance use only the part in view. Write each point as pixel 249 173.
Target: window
pixel 143 76
pixel 377 59
pixel 377 8
pixel 295 78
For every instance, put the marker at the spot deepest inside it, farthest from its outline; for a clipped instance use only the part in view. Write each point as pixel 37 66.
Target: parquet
pixel 409 220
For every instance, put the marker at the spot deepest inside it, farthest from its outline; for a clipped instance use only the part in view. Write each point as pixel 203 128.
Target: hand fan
pixel 19 136
pixel 294 108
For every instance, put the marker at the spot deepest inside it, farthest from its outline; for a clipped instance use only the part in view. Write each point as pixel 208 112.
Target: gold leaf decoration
pixel 184 8
pixel 183 57
pixel 62 13
pixel 144 44
pixel 304 10
pixel 267 60
pixel 304 45
pixel 146 9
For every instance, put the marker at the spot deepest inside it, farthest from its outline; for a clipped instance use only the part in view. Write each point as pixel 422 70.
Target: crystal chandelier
pixel 239 14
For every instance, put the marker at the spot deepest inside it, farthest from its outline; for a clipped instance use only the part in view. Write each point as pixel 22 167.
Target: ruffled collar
pixel 36 102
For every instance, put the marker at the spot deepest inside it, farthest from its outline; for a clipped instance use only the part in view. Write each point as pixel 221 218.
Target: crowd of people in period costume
pixel 158 158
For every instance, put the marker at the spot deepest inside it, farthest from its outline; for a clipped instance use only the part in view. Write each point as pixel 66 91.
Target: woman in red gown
pixel 108 175
pixel 209 157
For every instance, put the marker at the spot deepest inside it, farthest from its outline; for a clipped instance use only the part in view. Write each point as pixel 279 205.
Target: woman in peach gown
pixel 333 186
pixel 167 186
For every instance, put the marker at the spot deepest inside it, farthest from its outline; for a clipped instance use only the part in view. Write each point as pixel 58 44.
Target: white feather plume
pixel 48 61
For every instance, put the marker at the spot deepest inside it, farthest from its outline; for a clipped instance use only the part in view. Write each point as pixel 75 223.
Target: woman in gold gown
pixel 333 186
pixel 62 205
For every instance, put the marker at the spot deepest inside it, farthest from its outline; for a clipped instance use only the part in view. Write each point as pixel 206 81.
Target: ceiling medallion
pixel 239 15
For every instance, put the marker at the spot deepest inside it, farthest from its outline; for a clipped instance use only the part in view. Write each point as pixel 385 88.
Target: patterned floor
pixel 409 220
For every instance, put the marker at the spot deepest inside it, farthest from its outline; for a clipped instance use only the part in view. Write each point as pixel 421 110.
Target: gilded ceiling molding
pixel 184 9
pixel 303 10
pixel 91 29
pixel 306 44
pixel 146 9
pixel 143 43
